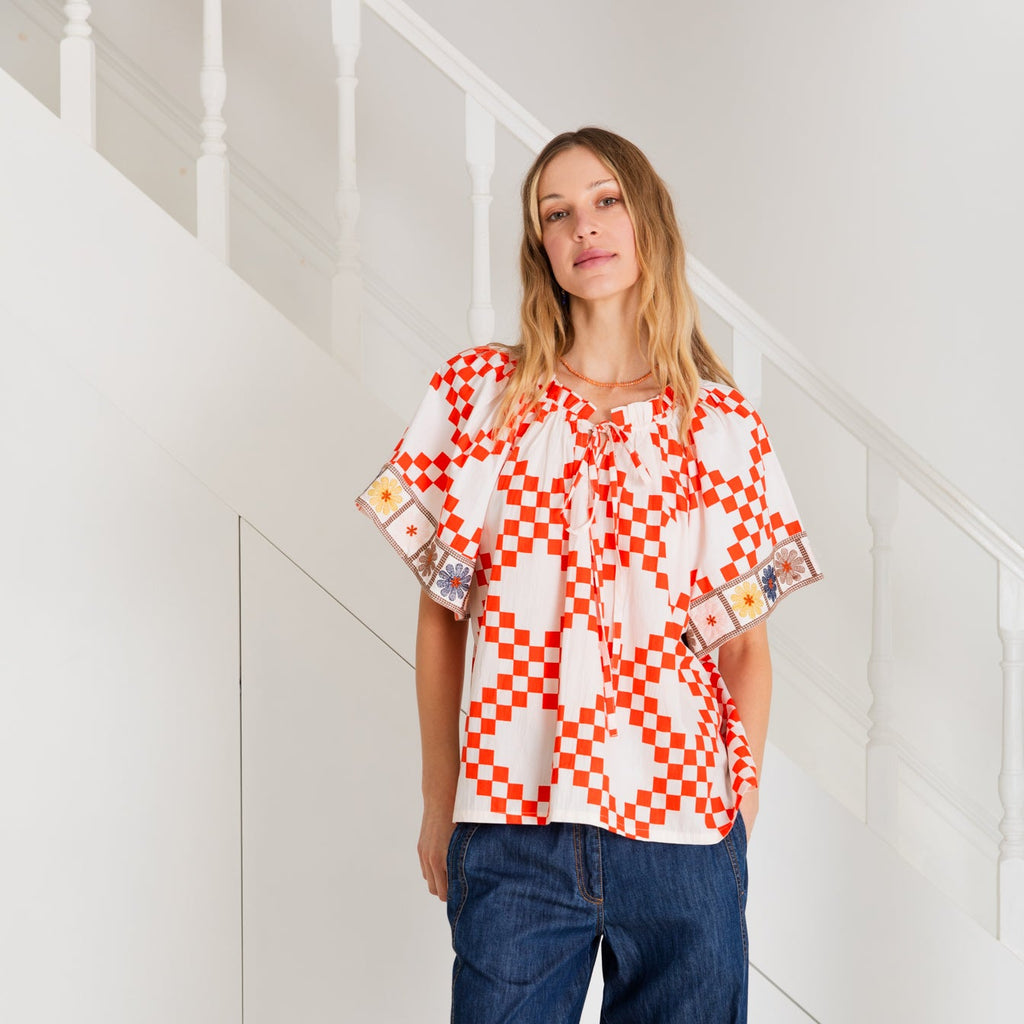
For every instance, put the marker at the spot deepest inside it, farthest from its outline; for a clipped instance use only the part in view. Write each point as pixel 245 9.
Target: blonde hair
pixel 668 314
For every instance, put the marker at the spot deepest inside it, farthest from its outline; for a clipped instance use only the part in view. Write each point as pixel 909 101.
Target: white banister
pixel 346 286
pixel 882 781
pixel 1011 775
pixel 212 223
pixel 78 72
pixel 480 159
pixel 746 367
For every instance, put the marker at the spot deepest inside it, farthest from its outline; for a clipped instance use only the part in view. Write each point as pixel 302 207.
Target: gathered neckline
pixel 642 410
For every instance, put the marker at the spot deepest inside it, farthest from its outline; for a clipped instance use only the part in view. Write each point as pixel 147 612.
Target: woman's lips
pixel 593 258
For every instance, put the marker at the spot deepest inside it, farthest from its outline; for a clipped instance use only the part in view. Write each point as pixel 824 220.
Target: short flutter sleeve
pixel 748 547
pixel 430 498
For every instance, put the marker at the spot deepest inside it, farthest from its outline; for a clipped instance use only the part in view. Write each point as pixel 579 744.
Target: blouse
pixel 600 563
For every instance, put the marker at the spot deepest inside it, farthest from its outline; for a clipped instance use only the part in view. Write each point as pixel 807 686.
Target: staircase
pixel 182 460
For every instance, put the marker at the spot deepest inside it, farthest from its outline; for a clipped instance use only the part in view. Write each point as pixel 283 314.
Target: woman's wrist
pixel 439 794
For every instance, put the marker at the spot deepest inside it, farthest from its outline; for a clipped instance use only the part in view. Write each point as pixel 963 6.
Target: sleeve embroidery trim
pixel 735 606
pixel 401 517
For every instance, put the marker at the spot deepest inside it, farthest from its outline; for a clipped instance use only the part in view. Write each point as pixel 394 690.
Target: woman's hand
pixel 435 834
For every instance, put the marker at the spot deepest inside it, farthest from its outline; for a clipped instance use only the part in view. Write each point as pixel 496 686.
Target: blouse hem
pixel 704 837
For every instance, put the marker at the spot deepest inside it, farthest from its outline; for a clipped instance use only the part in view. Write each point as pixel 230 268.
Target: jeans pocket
pixel 453 843
pixel 735 844
pixel 458 887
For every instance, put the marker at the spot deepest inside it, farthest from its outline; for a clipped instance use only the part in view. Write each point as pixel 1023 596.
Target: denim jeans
pixel 531 905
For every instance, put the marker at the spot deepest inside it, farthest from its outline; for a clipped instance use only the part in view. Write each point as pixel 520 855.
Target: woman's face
pixel 585 228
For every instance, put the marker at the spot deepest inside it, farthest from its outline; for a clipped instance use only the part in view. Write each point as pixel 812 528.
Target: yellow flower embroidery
pixel 385 495
pixel 747 601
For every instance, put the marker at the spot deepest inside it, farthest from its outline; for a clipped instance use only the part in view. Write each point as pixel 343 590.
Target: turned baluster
pixel 78 72
pixel 480 159
pixel 346 288
pixel 212 166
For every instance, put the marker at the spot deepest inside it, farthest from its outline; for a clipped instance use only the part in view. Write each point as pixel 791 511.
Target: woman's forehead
pixel 573 168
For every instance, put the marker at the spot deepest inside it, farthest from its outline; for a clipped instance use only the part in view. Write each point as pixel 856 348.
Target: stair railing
pixel 889 459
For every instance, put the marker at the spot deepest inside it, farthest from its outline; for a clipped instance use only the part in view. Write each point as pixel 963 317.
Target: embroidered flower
pixel 385 495
pixel 769 584
pixel 412 530
pixel 712 621
pixel 426 560
pixel 747 601
pixel 789 565
pixel 454 581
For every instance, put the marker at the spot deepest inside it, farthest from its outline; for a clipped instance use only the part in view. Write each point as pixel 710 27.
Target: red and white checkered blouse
pixel 599 565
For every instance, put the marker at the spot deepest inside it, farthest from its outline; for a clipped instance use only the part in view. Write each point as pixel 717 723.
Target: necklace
pixel 602 384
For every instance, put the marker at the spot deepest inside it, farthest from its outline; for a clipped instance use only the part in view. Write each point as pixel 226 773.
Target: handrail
pixel 835 400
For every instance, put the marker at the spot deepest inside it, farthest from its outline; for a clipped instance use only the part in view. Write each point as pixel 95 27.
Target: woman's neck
pixel 605 343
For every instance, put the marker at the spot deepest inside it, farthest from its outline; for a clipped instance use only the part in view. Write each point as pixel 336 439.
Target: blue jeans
pixel 530 905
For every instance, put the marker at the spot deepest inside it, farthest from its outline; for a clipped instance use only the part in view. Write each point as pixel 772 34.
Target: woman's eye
pixel 554 215
pixel 607 200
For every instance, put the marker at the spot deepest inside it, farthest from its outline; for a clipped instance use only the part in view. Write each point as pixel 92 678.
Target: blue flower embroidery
pixel 769 584
pixel 454 581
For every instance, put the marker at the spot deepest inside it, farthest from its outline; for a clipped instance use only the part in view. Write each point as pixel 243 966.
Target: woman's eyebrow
pixel 590 187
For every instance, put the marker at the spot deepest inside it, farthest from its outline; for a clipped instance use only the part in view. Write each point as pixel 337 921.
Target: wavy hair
pixel 668 316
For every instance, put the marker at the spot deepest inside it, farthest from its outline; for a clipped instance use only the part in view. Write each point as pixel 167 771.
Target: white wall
pixel 119 719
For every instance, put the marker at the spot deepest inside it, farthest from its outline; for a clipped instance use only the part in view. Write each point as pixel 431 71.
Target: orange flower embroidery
pixel 747 601
pixel 412 530
pixel 385 495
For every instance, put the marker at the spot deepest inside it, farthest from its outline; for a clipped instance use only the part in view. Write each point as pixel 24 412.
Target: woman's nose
pixel 584 225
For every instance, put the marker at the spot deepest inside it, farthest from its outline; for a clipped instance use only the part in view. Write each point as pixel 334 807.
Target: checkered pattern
pixel 531 681
pixel 537 522
pixel 599 563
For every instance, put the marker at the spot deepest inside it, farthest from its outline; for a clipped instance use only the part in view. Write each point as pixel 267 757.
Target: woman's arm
pixel 746 667
pixel 440 666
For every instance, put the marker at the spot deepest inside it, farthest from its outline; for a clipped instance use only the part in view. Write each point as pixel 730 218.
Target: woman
pixel 606 510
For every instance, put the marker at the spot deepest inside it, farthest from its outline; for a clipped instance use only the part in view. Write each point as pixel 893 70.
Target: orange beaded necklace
pixel 602 384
